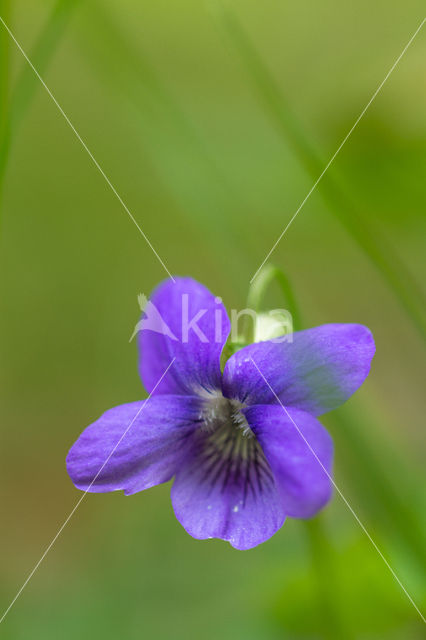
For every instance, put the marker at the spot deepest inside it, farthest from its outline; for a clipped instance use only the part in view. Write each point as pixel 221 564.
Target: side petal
pixel 133 446
pixel 183 321
pixel 300 453
pixel 314 370
pixel 226 490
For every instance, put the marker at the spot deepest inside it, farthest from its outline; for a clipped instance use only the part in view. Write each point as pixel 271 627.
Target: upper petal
pixel 226 490
pixel 134 446
pixel 299 451
pixel 183 320
pixel 315 370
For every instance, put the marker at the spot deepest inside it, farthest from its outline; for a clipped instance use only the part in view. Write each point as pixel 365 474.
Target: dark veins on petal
pixel 227 452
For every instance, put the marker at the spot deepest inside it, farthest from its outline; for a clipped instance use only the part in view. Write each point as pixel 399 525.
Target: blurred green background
pixel 212 126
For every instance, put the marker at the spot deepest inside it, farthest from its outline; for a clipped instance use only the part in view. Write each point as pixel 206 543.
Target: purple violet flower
pixel 240 466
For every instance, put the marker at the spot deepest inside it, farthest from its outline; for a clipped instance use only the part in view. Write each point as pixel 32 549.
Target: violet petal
pixel 300 452
pixel 226 490
pixel 316 372
pixel 148 454
pixel 197 348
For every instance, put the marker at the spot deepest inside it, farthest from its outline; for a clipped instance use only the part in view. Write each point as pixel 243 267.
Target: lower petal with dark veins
pixel 226 489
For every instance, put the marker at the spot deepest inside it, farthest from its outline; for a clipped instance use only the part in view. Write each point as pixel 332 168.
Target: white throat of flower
pixel 219 411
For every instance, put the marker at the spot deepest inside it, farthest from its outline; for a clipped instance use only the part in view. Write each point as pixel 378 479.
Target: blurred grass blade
pixel 4 62
pixel 200 187
pixel 27 83
pixel 4 74
pixel 387 492
pixel 380 253
pixel 143 76
pixel 384 493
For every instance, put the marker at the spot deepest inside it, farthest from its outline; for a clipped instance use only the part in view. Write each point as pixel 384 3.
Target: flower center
pixel 228 450
pixel 223 414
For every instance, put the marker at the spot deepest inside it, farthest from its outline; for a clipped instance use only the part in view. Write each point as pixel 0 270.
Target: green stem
pixel 257 290
pixel 267 275
pixel 323 556
pixel 324 562
pixel 372 243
